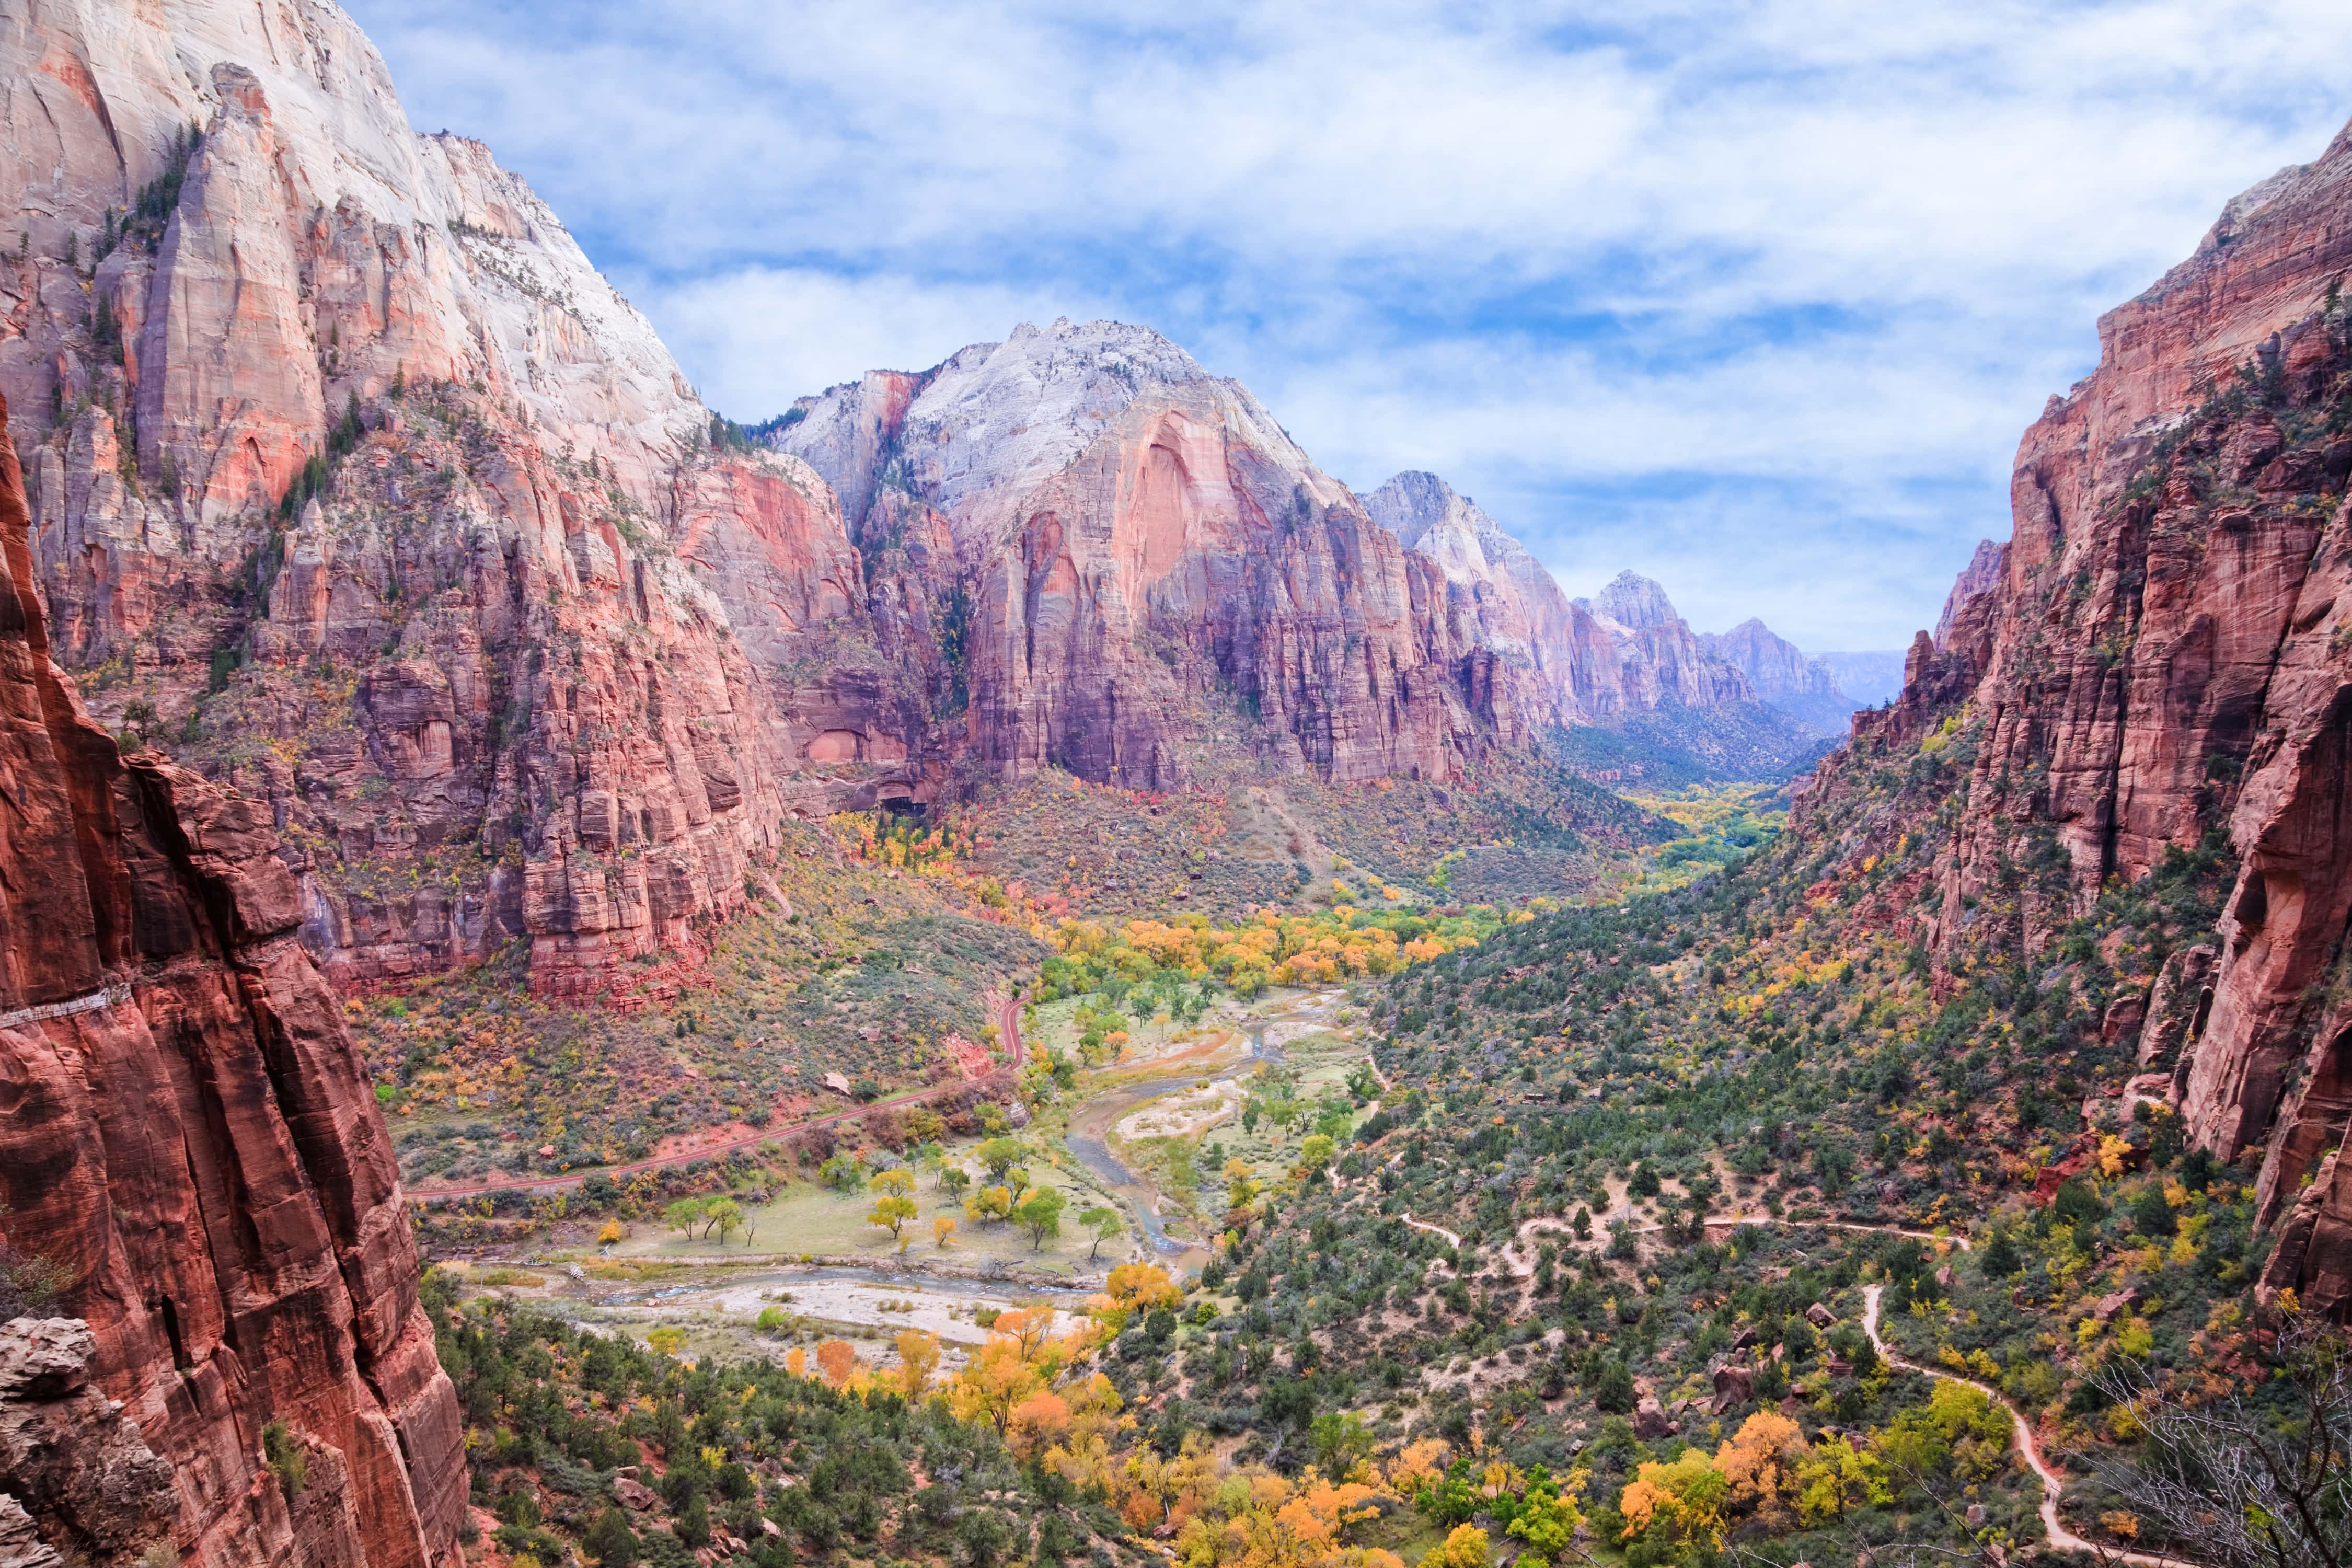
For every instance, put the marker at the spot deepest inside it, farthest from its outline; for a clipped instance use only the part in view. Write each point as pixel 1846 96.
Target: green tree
pixel 611 1541
pixel 999 1155
pixel 1341 1442
pixel 1547 1521
pixel 1041 1212
pixel 1105 1223
pixel 683 1215
pixel 724 1215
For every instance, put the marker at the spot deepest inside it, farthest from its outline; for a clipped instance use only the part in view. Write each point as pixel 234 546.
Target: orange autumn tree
pixel 1257 1519
pixel 1021 1359
pixel 836 1360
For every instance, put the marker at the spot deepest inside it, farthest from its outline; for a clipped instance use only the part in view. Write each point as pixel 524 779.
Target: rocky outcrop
pixel 1665 662
pixel 2163 651
pixel 357 486
pixel 1779 674
pixel 1503 607
pixel 1118 537
pixel 190 1148
pixel 68 1453
pixel 1981 575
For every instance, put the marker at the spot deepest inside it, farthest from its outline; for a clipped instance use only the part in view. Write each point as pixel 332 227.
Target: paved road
pixel 1008 1023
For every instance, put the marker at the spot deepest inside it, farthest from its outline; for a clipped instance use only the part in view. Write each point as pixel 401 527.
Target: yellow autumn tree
pixel 1466 1547
pixel 1759 1462
pixel 1132 1288
pixel 1682 1502
pixel 918 1355
pixel 994 1382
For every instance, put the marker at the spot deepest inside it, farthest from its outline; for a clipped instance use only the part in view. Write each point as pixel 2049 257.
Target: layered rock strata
pixel 191 1156
pixel 356 485
pixel 2161 657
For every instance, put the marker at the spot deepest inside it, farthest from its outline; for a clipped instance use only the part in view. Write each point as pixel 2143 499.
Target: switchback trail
pixel 2052 1488
pixel 1521 1266
pixel 1008 1021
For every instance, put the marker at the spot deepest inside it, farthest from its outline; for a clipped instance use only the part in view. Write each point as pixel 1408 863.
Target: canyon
pixel 194 1172
pixel 356 486
pixel 2155 665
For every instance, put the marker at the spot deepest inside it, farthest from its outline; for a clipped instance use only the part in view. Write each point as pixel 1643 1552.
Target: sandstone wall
pixel 187 1134
pixel 2163 652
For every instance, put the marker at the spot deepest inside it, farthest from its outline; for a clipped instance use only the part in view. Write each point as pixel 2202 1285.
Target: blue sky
pixel 1753 298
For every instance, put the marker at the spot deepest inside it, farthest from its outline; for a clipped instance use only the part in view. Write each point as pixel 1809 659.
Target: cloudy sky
pixel 1753 298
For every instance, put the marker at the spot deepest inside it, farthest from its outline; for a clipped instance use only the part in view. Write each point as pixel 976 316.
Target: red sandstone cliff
pixel 355 486
pixel 188 1140
pixel 2164 650
pixel 536 661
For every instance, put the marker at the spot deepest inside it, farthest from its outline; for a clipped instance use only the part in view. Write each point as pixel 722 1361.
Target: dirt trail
pixel 1008 1020
pixel 1451 1240
pixel 1521 1266
pixel 2052 1488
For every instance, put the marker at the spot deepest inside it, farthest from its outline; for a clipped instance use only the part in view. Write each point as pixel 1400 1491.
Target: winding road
pixel 1008 1022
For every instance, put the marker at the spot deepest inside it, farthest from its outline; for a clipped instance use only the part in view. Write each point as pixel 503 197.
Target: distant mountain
pixel 1869 677
pixel 1783 675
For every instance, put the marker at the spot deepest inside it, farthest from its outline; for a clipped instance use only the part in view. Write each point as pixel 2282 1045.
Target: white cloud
pixel 1815 262
pixel 757 336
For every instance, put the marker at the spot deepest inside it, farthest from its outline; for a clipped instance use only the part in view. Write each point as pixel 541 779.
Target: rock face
pixel 1780 674
pixel 1981 575
pixel 1117 537
pixel 2164 650
pixel 1665 663
pixel 1559 658
pixel 187 1142
pixel 355 483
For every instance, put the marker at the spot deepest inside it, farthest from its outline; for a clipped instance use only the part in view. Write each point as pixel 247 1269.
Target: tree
pixel 725 1216
pixel 845 1172
pixel 1341 1442
pixel 994 1382
pixel 989 1203
pixel 1105 1223
pixel 613 1231
pixel 918 1355
pixel 683 1215
pixel 895 1183
pixel 1681 1502
pixel 1132 1288
pixel 1759 1460
pixel 611 1541
pixel 999 1155
pixel 666 1340
pixel 836 1360
pixel 2261 1481
pixel 955 1179
pixel 1040 1213
pixel 1316 1151
pixel 1547 1521
pixel 892 1212
pixel 1464 1548
pixel 942 1230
